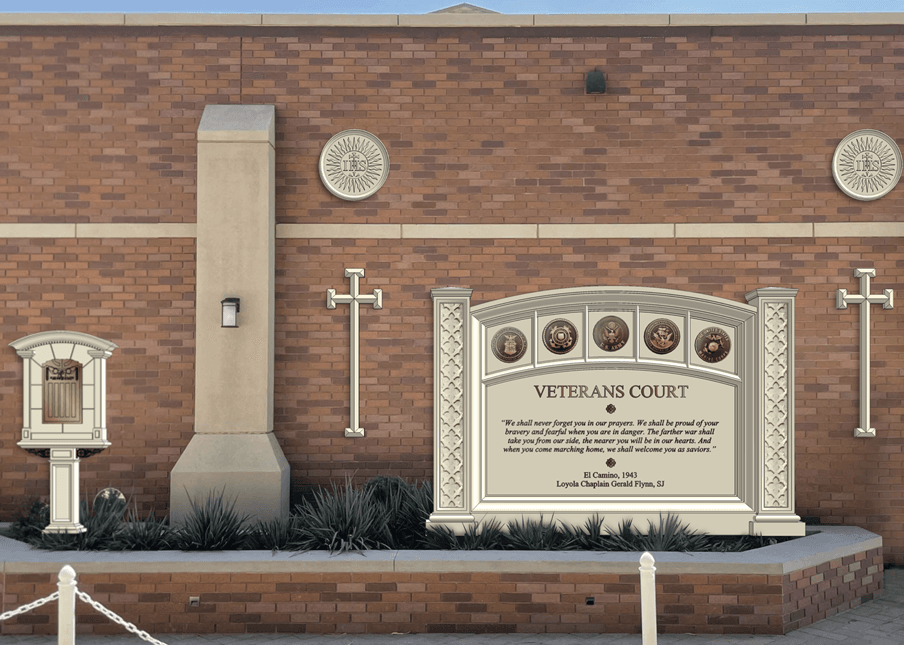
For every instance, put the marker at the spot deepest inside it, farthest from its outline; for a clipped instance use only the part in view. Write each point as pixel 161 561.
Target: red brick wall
pixel 139 294
pixel 466 602
pixel 706 125
pixel 697 125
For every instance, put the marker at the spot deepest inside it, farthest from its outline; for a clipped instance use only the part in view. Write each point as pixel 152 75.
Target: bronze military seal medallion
pixel 509 344
pixel 661 336
pixel 560 336
pixel 712 344
pixel 610 333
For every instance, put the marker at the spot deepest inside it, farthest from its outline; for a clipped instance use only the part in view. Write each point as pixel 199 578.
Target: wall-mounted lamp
pixel 596 82
pixel 230 312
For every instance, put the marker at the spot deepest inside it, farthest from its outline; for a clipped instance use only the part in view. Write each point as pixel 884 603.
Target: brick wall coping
pixel 450 20
pixel 474 231
pixel 825 544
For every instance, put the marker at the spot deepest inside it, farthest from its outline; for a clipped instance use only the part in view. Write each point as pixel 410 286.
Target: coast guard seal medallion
pixel 560 336
pixel 712 344
pixel 354 165
pixel 610 333
pixel 866 164
pixel 661 336
pixel 509 344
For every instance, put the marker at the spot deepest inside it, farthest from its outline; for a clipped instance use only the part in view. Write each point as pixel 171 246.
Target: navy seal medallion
pixel 661 336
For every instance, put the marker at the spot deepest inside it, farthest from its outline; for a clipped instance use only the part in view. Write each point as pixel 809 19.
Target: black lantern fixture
pixel 596 82
pixel 230 312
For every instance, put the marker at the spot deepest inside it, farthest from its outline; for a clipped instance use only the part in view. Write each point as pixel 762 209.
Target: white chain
pixel 116 619
pixel 30 606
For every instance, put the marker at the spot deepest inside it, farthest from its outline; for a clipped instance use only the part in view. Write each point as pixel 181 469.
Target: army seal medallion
pixel 866 164
pixel 560 336
pixel 661 336
pixel 610 333
pixel 509 344
pixel 712 344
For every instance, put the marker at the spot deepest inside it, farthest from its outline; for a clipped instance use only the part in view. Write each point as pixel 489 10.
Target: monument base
pixel 248 468
pixel 777 526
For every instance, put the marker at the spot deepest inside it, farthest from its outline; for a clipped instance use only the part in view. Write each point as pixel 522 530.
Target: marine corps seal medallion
pixel 712 344
pixel 560 336
pixel 610 333
pixel 661 336
pixel 509 344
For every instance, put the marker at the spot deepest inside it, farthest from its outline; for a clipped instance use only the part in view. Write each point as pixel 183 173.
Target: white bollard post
pixel 66 607
pixel 647 598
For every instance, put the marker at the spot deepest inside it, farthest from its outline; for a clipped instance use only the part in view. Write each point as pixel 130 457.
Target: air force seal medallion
pixel 560 336
pixel 661 336
pixel 712 344
pixel 509 344
pixel 610 333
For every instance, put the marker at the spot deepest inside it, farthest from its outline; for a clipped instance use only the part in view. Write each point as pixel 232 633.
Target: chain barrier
pixel 88 599
pixel 32 605
pixel 117 619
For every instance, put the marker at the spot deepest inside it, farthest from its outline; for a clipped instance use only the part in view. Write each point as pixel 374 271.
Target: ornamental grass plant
pixel 383 513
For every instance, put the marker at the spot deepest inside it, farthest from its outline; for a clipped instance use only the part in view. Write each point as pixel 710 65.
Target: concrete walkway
pixel 879 622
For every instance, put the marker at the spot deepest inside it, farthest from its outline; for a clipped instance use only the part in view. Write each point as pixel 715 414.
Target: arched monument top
pixel 593 294
pixel 62 336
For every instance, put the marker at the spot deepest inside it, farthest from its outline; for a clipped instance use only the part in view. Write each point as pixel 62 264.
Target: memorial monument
pixel 623 402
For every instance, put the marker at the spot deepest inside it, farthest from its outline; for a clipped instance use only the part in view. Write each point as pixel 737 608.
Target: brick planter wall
pixel 455 602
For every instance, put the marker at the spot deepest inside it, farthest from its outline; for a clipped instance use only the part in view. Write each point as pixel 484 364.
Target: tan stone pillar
pixel 234 448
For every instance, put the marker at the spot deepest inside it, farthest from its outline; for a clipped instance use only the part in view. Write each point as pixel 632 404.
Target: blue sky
pixel 426 6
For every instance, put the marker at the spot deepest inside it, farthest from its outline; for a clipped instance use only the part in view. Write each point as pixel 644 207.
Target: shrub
pixel 213 526
pixel 531 535
pixel 149 534
pixel 30 523
pixel 405 508
pixel 348 520
pixel 101 527
pixel 487 537
pixel 275 535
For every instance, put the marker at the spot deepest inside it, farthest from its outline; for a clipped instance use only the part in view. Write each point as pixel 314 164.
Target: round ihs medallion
pixel 712 344
pixel 867 164
pixel 354 165
pixel 610 333
pixel 560 336
pixel 509 344
pixel 661 336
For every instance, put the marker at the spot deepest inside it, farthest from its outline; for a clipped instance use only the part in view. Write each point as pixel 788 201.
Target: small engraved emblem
pixel 610 408
pixel 509 344
pixel 354 165
pixel 610 462
pixel 712 344
pixel 62 391
pixel 866 164
pixel 610 333
pixel 560 336
pixel 661 336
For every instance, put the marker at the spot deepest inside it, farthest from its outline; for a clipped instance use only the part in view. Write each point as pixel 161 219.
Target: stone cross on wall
pixel 842 300
pixel 354 299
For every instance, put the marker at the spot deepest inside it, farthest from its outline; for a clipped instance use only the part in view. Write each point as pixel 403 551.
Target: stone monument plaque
pixel 648 402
